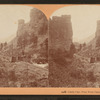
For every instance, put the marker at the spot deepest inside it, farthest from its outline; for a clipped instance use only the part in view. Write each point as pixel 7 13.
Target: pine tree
pixel 1 46
pixel 72 50
pixel 5 44
pixel 84 44
pixel 80 47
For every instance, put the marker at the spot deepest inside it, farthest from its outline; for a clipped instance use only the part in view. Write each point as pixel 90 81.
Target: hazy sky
pixel 83 17
pixel 84 20
pixel 9 16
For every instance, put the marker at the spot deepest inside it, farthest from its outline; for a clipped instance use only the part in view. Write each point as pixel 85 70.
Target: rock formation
pixel 95 42
pixel 97 35
pixel 60 40
pixel 20 59
pixel 60 29
pixel 31 36
pixel 92 49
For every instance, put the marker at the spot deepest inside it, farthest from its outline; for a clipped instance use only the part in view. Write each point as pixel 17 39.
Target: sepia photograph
pixel 61 50
pixel 74 47
pixel 23 47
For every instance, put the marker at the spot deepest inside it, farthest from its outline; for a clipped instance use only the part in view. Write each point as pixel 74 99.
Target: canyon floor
pixel 22 74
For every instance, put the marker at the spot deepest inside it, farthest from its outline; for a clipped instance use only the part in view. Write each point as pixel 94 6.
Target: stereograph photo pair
pixel 62 51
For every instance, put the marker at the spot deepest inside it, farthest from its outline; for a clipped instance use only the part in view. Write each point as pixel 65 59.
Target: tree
pixel 72 50
pixel 84 44
pixel 1 46
pixel 80 47
pixel 5 44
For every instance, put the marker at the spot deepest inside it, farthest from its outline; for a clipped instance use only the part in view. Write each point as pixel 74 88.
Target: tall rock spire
pixel 60 32
pixel 60 40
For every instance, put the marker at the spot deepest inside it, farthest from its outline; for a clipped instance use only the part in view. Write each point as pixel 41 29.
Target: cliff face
pixel 31 37
pixel 27 50
pixel 97 35
pixel 93 47
pixel 60 40
pixel 60 30
pixel 96 40
pixel 37 24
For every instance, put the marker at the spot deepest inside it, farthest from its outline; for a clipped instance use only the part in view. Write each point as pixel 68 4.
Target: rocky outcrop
pixel 95 42
pixel 60 40
pixel 97 35
pixel 37 24
pixel 60 29
pixel 31 37
pixel 93 47
pixel 20 59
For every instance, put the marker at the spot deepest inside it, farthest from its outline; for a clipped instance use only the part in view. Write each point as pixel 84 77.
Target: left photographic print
pixel 23 47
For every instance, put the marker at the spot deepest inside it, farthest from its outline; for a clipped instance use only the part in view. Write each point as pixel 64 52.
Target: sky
pixel 9 16
pixel 84 20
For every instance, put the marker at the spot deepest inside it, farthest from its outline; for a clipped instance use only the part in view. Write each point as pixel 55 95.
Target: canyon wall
pixel 60 32
pixel 31 37
pixel 60 40
pixel 97 34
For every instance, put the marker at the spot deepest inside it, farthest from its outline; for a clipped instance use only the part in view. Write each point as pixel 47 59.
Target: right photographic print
pixel 74 47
